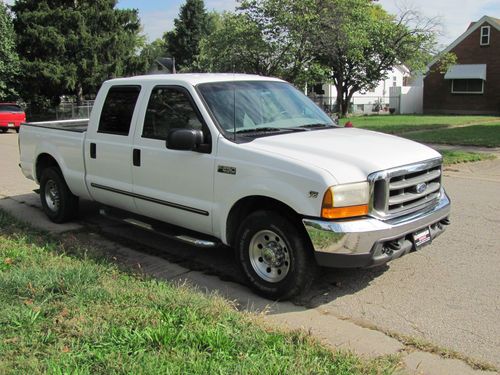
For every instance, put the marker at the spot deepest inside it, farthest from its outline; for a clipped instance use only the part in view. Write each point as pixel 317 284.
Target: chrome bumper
pixel 369 242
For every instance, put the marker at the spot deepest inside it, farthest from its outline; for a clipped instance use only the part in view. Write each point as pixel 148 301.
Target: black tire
pixel 286 258
pixel 58 202
pixel 17 130
pixel 3 130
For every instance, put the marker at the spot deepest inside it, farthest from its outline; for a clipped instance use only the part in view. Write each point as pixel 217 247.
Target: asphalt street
pixel 447 293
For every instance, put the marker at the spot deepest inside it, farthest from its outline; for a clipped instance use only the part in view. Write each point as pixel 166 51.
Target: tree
pixel 236 45
pixel 359 42
pixel 143 61
pixel 68 47
pixel 265 37
pixel 9 60
pixel 190 27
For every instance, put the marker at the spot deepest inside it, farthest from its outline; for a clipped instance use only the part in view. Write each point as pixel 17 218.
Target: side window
pixel 485 36
pixel 118 110
pixel 169 108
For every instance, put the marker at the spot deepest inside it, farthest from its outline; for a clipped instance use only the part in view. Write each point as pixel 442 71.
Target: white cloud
pixel 220 5
pixel 455 15
pixel 156 23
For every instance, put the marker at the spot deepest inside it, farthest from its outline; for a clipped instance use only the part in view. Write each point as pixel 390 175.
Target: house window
pixel 394 81
pixel 485 36
pixel 467 86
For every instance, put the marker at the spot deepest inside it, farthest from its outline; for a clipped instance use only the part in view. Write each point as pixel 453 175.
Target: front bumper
pixel 370 242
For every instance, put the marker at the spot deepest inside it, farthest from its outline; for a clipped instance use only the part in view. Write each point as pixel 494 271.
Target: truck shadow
pixel 329 285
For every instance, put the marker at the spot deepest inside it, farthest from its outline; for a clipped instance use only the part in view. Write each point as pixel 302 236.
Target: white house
pixel 368 102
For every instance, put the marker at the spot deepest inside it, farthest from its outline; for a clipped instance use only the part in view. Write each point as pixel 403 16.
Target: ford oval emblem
pixel 420 188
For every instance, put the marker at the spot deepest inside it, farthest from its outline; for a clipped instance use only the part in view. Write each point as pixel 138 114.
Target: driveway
pixel 447 293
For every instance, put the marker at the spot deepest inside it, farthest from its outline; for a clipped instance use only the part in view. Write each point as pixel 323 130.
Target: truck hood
pixel 349 154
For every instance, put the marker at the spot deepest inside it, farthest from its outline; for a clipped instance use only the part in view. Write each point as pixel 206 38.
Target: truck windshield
pixel 10 108
pixel 261 106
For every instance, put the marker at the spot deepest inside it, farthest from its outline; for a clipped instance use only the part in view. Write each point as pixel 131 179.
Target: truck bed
pixel 62 140
pixel 78 126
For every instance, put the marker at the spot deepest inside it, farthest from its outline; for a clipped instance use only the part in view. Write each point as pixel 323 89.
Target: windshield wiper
pixel 319 125
pixel 269 130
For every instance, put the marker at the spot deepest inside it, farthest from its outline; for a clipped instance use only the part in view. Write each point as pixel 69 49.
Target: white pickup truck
pixel 245 161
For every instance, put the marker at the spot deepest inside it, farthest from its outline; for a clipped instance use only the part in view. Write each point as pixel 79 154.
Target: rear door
pixel 108 148
pixel 171 185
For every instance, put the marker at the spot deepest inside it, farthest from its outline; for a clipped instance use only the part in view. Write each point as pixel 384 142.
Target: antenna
pixel 234 108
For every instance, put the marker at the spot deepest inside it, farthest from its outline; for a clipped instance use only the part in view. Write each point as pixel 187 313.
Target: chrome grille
pixel 403 190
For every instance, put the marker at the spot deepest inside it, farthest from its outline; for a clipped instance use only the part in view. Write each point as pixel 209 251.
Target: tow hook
pixel 445 221
pixel 390 247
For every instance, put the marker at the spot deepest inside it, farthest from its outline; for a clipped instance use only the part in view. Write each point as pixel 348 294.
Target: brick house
pixel 472 86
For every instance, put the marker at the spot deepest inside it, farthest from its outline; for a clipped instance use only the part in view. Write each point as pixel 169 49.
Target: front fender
pixel 301 198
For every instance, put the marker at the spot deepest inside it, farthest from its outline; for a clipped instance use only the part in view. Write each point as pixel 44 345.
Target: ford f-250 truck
pixel 245 161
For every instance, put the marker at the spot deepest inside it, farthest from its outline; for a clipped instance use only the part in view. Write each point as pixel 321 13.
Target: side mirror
pixel 184 139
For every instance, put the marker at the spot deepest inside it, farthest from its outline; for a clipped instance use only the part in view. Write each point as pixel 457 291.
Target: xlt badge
pixel 226 169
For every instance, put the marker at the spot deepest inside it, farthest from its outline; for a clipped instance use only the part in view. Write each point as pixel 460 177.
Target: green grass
pixel 456 157
pixel 399 124
pixel 62 312
pixel 485 135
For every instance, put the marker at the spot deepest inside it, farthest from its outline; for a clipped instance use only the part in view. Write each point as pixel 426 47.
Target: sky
pixel 158 15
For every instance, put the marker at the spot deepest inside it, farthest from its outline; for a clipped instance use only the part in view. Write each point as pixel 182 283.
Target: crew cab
pixel 245 161
pixel 11 117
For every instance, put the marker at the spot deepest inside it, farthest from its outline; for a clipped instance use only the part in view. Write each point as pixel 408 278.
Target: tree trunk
pixel 340 100
pixel 347 101
pixel 79 95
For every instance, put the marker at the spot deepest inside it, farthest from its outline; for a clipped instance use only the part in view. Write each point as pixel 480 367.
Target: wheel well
pixel 44 161
pixel 248 205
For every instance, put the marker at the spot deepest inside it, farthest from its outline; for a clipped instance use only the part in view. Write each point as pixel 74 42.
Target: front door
pixel 170 185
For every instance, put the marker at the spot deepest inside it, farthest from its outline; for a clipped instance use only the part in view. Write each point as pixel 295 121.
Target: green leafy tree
pixel 264 37
pixel 359 43
pixel 68 47
pixel 9 60
pixel 183 43
pixel 143 61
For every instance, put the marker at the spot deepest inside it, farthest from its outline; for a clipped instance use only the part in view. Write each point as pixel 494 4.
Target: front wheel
pixel 275 256
pixel 58 202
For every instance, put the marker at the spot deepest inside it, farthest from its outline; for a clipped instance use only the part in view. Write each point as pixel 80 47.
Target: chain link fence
pixel 65 111
pixel 364 105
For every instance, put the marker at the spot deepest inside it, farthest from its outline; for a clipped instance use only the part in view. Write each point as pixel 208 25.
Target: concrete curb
pixel 337 333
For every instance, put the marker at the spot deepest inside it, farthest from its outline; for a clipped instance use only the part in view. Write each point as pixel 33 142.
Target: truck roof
pixel 192 78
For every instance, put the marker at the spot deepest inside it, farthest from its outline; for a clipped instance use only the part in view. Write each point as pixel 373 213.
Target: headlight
pixel 346 201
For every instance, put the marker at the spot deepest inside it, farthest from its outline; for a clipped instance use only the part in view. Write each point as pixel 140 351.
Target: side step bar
pixel 158 227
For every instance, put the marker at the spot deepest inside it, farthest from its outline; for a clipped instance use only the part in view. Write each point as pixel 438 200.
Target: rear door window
pixel 118 109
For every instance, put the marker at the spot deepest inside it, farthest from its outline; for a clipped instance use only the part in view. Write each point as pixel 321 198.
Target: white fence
pixel 407 99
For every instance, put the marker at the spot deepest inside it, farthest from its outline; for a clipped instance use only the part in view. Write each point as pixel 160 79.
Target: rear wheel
pixel 17 130
pixel 58 203
pixel 275 256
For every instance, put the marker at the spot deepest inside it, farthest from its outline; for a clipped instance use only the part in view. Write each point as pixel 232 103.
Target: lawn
pixel 65 312
pixel 456 157
pixel 398 124
pixel 485 135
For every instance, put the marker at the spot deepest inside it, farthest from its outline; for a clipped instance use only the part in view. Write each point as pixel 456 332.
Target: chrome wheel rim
pixel 269 256
pixel 52 196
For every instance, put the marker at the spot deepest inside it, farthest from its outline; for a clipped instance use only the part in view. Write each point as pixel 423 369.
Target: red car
pixel 11 117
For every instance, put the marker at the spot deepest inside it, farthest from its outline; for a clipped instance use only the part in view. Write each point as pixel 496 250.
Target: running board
pixel 158 227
